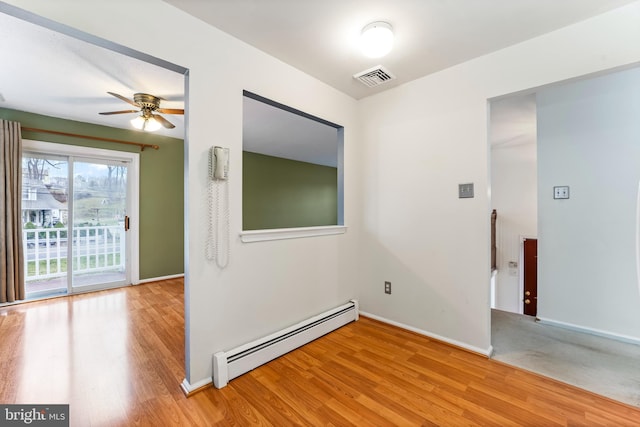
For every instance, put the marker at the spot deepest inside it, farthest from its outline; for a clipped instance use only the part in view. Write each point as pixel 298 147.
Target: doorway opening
pixel 84 68
pixel 586 140
pixel 513 145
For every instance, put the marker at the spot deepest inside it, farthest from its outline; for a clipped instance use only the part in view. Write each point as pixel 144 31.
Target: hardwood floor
pixel 117 357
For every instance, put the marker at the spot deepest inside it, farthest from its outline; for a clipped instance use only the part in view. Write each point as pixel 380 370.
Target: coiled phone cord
pixel 215 235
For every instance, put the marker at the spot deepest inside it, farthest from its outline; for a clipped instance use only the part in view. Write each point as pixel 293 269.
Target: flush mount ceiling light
pixel 376 39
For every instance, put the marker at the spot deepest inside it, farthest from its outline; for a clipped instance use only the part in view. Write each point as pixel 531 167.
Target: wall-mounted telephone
pixel 218 236
pixel 218 163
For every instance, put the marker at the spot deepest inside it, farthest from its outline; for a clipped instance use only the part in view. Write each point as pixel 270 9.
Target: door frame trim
pixel 133 249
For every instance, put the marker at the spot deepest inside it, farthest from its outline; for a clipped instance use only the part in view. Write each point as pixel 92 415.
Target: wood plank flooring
pixel 117 357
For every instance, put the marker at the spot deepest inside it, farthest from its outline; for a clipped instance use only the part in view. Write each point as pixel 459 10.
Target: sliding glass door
pixel 76 218
pixel 99 224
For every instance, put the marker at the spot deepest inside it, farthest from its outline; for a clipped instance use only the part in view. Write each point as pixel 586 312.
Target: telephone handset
pixel 218 163
pixel 218 235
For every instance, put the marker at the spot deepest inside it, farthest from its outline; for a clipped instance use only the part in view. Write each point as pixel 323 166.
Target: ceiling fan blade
pixel 170 110
pixel 119 112
pixel 164 122
pixel 127 100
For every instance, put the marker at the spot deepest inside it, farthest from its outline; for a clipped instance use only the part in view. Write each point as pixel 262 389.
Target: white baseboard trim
pixel 483 351
pixel 190 389
pixel 591 331
pixel 157 279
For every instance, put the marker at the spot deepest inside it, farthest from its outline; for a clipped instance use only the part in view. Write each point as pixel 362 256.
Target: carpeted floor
pixel 604 366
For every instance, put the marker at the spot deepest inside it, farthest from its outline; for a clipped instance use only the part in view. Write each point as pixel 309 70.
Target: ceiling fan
pixel 148 106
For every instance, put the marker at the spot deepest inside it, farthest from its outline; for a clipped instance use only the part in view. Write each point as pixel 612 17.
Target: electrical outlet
pixel 561 192
pixel 387 288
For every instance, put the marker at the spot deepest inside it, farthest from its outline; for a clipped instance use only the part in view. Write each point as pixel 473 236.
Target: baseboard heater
pixel 228 365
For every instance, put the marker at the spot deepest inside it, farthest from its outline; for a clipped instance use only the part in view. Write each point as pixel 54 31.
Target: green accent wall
pixel 282 193
pixel 161 184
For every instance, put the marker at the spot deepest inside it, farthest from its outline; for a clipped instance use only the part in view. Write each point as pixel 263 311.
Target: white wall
pixel 424 138
pixel 589 139
pixel 514 196
pixel 267 285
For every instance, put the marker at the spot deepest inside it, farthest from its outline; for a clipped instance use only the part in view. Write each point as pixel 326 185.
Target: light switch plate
pixel 465 191
pixel 561 192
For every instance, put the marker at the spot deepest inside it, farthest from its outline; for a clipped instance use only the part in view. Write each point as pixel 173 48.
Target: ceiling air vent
pixel 374 76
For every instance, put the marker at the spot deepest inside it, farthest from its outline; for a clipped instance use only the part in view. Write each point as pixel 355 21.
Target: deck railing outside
pixel 95 249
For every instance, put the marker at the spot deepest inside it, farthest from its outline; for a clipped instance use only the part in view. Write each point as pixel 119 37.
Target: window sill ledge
pixel 290 233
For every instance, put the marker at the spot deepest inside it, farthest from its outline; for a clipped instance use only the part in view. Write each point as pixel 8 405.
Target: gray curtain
pixel 11 255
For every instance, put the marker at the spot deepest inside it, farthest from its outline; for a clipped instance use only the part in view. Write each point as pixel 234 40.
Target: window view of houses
pixel 91 210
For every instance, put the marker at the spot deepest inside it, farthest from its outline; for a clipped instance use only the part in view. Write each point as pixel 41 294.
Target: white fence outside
pixel 94 249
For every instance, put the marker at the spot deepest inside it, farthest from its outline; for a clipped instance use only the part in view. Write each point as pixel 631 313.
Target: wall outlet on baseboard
pixel 387 288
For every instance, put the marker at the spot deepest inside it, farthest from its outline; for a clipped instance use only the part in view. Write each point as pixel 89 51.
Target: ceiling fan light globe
pixel 152 125
pixel 138 122
pixel 376 39
pixel 147 124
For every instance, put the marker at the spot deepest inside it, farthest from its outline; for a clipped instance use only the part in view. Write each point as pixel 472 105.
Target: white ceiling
pixel 46 72
pixel 53 74
pixel 275 132
pixel 320 37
